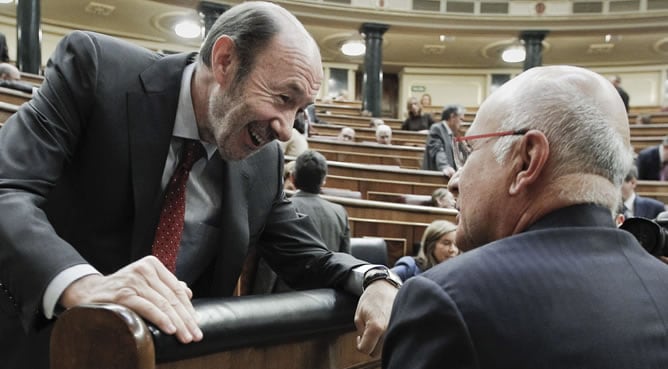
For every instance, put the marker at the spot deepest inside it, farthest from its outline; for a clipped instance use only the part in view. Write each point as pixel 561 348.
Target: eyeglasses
pixel 462 148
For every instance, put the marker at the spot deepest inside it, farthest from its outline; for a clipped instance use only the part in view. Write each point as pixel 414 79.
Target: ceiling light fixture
pixel 514 54
pixel 188 29
pixel 353 48
pixel 6 1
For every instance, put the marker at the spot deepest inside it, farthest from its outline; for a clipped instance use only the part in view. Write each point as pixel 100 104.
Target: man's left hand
pixel 373 315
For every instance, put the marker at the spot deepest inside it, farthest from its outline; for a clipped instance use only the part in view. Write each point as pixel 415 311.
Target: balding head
pixel 9 72
pixel 252 26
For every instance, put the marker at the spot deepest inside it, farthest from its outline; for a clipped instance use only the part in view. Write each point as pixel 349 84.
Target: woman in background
pixel 437 246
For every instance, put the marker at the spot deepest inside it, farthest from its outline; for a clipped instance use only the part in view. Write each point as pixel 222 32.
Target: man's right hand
pixel 148 288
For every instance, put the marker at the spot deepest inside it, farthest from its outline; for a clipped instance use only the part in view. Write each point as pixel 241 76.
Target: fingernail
pixel 198 335
pixel 171 329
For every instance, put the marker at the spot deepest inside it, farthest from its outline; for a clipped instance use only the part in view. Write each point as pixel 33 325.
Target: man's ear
pixel 223 57
pixel 533 153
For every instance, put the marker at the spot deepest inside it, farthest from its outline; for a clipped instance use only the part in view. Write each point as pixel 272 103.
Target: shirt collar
pixel 185 124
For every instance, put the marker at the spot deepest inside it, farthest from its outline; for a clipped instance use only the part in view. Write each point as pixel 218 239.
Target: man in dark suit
pixel 635 205
pixel 331 220
pixel 547 279
pixel 439 154
pixel 651 162
pixel 84 166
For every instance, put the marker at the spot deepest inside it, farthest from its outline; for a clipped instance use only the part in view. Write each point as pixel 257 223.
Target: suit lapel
pixel 151 113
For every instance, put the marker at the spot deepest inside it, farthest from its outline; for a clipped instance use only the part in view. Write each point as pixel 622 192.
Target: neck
pixel 200 91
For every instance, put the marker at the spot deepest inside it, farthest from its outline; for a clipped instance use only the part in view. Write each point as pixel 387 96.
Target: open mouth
pixel 259 135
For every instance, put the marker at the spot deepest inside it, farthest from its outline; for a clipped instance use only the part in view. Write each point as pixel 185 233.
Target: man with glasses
pixel 547 280
pixel 441 151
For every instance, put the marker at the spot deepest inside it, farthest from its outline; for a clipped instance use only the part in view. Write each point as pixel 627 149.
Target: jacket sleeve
pixel 426 330
pixel 436 148
pixel 35 144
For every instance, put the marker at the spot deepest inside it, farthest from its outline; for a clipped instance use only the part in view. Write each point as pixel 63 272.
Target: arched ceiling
pixel 412 39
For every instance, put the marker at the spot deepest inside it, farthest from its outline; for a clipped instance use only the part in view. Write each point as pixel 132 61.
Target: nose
pixel 282 126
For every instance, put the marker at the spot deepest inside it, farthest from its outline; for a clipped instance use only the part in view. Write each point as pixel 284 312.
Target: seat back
pixel 369 249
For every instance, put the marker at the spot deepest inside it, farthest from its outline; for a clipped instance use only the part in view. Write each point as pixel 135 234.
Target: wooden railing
pixel 306 329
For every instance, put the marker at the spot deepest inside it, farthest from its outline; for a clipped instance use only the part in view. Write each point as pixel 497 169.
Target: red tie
pixel 168 235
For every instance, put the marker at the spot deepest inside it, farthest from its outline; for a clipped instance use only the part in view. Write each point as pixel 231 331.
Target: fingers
pixel 370 340
pixel 172 297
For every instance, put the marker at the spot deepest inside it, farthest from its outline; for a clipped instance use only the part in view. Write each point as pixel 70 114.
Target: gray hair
pixel 251 26
pixel 577 123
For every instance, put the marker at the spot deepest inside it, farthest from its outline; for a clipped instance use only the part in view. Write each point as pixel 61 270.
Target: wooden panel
pixel 12 96
pixel 362 171
pixel 364 185
pixel 654 189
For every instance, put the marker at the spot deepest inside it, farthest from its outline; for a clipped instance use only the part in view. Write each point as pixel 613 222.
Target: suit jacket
pixel 438 152
pixel 572 291
pixel 649 163
pixel 330 219
pixel 80 170
pixel 647 207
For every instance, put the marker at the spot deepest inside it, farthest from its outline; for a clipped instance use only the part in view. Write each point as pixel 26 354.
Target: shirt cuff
pixel 356 278
pixel 60 283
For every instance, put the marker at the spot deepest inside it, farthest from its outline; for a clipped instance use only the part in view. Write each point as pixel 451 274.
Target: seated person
pixel 437 246
pixel 297 143
pixel 346 134
pixel 384 134
pixel 288 168
pixel 635 205
pixel 442 198
pixel 375 122
pixel 10 77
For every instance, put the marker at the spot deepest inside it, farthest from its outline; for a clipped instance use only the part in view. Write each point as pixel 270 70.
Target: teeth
pixel 257 139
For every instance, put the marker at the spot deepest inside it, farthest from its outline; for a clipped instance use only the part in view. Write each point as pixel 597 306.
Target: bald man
pixel 85 170
pixel 547 279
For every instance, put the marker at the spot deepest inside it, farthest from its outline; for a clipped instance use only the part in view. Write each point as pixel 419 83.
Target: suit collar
pixel 581 215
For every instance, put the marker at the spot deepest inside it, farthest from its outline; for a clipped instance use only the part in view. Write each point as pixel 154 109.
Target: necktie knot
pixel 192 151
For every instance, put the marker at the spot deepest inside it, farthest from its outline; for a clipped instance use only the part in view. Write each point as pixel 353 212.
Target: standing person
pixel 635 205
pixel 437 246
pixel 652 162
pixel 617 82
pixel 546 279
pixel 4 50
pixel 85 166
pixel 416 121
pixel 439 151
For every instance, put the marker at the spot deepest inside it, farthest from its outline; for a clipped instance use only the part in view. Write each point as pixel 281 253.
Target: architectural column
pixel 210 11
pixel 533 44
pixel 28 36
pixel 372 85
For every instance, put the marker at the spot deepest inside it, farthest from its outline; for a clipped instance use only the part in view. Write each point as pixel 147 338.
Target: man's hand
pixel 373 315
pixel 448 171
pixel 146 287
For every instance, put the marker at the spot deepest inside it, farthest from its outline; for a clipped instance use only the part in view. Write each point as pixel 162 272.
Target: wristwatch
pixel 381 272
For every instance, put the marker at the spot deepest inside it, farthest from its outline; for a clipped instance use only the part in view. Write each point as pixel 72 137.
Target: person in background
pixel 440 149
pixel 617 82
pixel 384 134
pixel 288 168
pixel 375 122
pixel 425 100
pixel 442 198
pixel 4 49
pixel 10 77
pixel 85 170
pixel 546 278
pixel 635 205
pixel 331 220
pixel 298 142
pixel 416 121
pixel 437 246
pixel 644 119
pixel 652 162
pixel 346 134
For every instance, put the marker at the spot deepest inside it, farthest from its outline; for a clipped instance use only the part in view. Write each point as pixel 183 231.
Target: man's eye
pixel 285 98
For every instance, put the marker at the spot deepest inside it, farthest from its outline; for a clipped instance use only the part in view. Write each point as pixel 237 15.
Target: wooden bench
pixel 365 185
pixel 315 330
pixel 14 97
pixel 383 172
pixel 654 189
pixel 358 121
pixel 399 137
